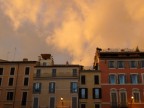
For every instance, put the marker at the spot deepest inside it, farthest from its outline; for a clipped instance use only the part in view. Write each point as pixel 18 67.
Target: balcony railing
pixel 123 105
pixel 119 105
pixel 114 105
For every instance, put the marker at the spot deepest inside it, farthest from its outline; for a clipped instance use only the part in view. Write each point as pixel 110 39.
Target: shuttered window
pixel 52 102
pixel 96 79
pixel 83 93
pixel 97 93
pixel 83 79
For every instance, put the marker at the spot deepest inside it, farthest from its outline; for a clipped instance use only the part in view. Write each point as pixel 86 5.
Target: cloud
pixel 77 27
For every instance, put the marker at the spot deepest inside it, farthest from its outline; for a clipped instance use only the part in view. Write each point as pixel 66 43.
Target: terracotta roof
pixel 46 56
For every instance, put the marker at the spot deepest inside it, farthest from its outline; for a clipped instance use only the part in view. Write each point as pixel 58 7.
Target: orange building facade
pixel 16 81
pixel 122 78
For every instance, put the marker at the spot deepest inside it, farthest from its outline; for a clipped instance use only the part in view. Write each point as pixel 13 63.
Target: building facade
pixel 55 86
pixel 90 89
pixel 16 82
pixel 122 78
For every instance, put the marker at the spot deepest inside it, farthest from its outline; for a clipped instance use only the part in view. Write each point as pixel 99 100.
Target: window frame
pixel 97 95
pixel 120 66
pixel 114 91
pixel 12 71
pixel 1 71
pixel 110 80
pixel 27 69
pixel 11 83
pixel 1 80
pixel 111 64
pixel 74 72
pixel 120 94
pixel 85 93
pixel 74 89
pixel 38 89
pixel 135 65
pixel 96 80
pixel 83 105
pixel 54 71
pixel 35 97
pixel 123 80
pixel 9 98
pixel 137 78
pixel 83 79
pixel 23 101
pixel 38 72
pixel 26 83
pixel 52 90
pixel 137 91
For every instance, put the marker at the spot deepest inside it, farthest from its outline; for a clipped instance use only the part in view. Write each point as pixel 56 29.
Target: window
pixel 53 72
pixel 9 96
pixel 35 103
pixel 37 87
pixel 112 79
pixel 52 102
pixel 44 63
pixel 24 99
pixel 27 69
pixel 121 79
pixel 133 64
pixel 52 87
pixel 38 72
pixel 111 64
pixel 12 71
pixel 120 64
pixel 142 64
pixel 83 105
pixel 10 81
pixel 136 95
pixel 74 72
pixel 0 81
pixel 83 93
pixel 26 81
pixel 143 78
pixel 74 102
pixel 97 105
pixel 96 93
pixel 134 78
pixel 74 87
pixel 1 71
pixel 123 99
pixel 83 79
pixel 96 79
pixel 114 102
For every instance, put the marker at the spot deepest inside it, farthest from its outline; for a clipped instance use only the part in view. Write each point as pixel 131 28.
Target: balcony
pixel 114 105
pixel 123 105
pixel 120 105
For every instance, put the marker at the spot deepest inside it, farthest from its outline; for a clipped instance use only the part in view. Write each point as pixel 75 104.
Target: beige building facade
pixel 55 86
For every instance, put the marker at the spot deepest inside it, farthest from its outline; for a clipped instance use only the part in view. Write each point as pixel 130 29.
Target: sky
pixel 70 30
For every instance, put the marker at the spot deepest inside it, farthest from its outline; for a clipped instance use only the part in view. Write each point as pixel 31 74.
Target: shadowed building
pixel 16 80
pixel 90 89
pixel 122 78
pixel 55 86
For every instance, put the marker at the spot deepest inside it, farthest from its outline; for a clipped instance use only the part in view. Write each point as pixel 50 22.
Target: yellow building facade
pixel 55 86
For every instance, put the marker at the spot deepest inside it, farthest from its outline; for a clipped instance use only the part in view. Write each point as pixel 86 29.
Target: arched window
pixel 136 95
pixel 114 98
